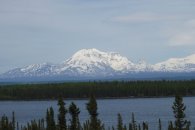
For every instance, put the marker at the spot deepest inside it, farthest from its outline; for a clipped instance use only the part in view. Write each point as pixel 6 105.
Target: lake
pixel 145 109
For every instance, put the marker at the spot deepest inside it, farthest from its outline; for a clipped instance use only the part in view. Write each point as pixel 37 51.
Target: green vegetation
pixel 99 89
pixel 74 112
pixel 62 115
pixel 179 112
pixel 50 119
pixel 93 123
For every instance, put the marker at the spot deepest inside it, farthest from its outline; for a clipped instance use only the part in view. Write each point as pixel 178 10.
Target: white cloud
pixel 144 17
pixel 191 23
pixel 185 35
pixel 183 39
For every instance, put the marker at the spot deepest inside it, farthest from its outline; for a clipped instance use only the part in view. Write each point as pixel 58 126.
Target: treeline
pixel 93 123
pixel 113 89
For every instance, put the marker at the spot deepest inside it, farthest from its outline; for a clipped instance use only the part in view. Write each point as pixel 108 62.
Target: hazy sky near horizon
pixel 37 31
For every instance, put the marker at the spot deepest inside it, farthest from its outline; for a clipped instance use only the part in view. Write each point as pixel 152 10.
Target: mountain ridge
pixel 94 63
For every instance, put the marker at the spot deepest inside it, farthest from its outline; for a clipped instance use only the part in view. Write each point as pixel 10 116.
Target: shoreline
pixel 98 98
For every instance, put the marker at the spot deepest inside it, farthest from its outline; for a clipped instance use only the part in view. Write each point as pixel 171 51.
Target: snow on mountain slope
pixel 186 64
pixel 95 63
pixel 31 70
pixel 143 66
pixel 86 59
pixel 86 62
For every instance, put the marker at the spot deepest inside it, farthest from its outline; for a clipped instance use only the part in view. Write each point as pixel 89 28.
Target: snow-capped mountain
pixel 95 63
pixel 186 64
pixel 86 62
pixel 31 71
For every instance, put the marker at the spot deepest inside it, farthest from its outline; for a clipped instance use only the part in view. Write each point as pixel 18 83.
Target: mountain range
pixel 92 64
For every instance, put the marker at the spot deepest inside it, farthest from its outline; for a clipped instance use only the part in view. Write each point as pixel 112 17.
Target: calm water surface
pixel 145 109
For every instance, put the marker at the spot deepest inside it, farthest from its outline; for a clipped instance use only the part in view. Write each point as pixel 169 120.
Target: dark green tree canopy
pixel 179 113
pixel 74 112
pixel 62 115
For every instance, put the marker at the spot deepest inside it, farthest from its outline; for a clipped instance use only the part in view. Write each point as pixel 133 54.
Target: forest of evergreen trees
pixel 72 122
pixel 100 89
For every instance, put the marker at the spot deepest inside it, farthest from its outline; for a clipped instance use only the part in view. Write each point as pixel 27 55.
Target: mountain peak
pixel 185 64
pixel 191 58
pixel 96 63
pixel 87 52
pixel 86 58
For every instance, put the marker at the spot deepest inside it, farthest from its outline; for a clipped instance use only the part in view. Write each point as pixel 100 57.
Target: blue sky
pixel 40 31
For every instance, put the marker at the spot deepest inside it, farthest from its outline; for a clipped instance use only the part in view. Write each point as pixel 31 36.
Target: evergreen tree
pixel 13 121
pixel 74 112
pixel 159 125
pixel 145 126
pixel 130 126
pixel 133 122
pixel 139 127
pixel 50 119
pixel 120 122
pixel 170 127
pixel 179 113
pixel 17 126
pixel 95 124
pixel 62 115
